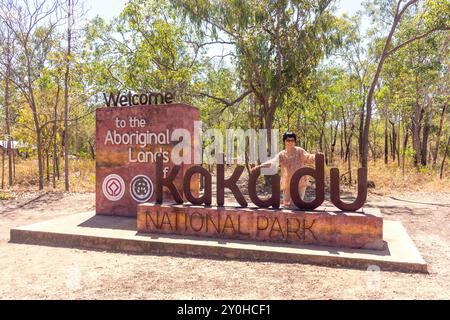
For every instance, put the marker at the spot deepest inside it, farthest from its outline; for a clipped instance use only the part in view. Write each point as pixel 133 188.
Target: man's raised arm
pixel 309 157
pixel 268 163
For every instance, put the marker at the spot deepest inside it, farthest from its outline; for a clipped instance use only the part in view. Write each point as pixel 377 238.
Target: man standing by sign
pixel 290 159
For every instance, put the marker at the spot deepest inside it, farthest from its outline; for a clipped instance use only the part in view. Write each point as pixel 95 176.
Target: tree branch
pixel 237 100
pixel 405 7
pixel 203 44
pixel 54 121
pixel 222 100
pixel 423 35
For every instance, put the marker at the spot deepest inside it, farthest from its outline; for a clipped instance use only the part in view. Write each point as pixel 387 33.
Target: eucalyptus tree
pixel 357 61
pixel 33 25
pixel 148 47
pixel 413 80
pixel 275 45
pixel 426 17
pixel 7 55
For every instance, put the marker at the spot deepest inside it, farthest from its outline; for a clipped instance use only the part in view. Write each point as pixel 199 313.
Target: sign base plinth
pixel 323 226
pixel 118 234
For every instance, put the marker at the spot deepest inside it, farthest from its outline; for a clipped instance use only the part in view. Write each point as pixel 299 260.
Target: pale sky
pixel 106 9
pixel 110 8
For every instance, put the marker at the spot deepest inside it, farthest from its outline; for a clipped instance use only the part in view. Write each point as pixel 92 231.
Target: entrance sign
pixel 143 170
pixel 128 141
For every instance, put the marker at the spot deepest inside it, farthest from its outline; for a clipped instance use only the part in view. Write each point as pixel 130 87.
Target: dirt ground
pixel 40 272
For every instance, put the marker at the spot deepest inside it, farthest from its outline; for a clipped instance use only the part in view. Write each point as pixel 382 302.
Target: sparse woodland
pixel 377 98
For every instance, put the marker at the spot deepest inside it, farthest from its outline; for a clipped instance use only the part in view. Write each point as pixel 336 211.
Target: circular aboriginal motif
pixel 113 187
pixel 141 188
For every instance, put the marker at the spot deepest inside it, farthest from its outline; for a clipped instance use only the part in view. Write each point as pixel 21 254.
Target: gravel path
pixel 41 272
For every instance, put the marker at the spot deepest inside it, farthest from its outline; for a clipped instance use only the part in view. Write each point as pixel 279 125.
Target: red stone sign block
pixel 125 168
pixel 327 227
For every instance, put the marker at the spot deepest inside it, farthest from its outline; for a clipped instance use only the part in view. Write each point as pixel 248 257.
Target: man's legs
pixel 286 197
pixel 301 193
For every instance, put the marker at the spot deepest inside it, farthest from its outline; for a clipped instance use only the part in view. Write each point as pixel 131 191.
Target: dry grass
pixel 388 179
pixel 82 177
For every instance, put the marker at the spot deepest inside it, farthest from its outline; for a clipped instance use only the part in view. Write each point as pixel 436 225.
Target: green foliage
pixel 292 65
pixel 276 44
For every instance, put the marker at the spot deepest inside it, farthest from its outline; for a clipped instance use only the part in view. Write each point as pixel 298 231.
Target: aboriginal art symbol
pixel 141 188
pixel 113 187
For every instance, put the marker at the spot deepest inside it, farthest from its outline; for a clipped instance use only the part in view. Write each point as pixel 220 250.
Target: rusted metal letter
pixel 335 193
pixel 274 200
pixel 318 174
pixel 168 181
pixel 207 195
pixel 229 183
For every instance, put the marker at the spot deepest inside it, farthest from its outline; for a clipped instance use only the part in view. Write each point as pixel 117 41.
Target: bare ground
pixel 41 272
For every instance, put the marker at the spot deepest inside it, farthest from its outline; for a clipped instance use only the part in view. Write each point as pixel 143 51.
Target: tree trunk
pixel 394 141
pixel 391 147
pixel 7 105
pixel 47 155
pixel 438 141
pixel 38 135
pixel 365 141
pixel 55 152
pixel 349 163
pixel 14 165
pixel 58 171
pixel 39 150
pixel 326 148
pixel 349 141
pixel 3 168
pixel 373 146
pixel 405 144
pixel 268 122
pixel 341 138
pixel 55 137
pixel 288 115
pixel 76 137
pixel 54 165
pixel 398 145
pixel 91 147
pixel 386 147
pixel 416 132
pixel 444 158
pixel 426 131
pixel 247 165
pixel 66 97
pixel 321 141
pixel 333 142
pixel 361 130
